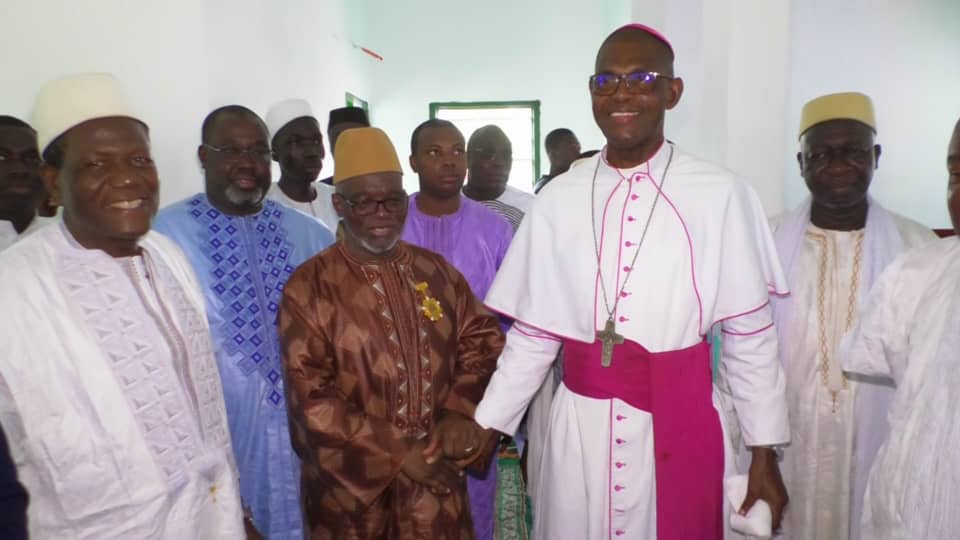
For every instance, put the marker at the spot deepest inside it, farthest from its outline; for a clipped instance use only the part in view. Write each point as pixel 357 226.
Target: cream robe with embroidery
pixel 110 396
pixel 832 442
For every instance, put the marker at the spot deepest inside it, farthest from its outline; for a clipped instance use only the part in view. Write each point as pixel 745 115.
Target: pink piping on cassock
pixel 525 323
pixel 751 333
pixel 549 337
pixel 603 230
pixel 693 266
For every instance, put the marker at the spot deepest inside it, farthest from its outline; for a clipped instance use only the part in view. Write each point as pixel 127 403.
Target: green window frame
pixel 533 105
pixel 354 101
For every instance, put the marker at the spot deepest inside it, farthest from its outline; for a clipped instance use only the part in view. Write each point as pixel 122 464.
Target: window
pixel 354 101
pixel 520 120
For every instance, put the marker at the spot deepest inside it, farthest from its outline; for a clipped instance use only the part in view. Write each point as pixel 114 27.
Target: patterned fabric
pixel 511 213
pixel 242 263
pixel 368 375
pixel 514 516
pixel 110 393
pixel 474 240
pixel 139 343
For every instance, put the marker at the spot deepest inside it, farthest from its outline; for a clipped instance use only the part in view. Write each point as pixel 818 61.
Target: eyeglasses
pixel 304 142
pixel 366 207
pixel 489 154
pixel 234 153
pixel 638 82
pixel 853 155
pixel 30 158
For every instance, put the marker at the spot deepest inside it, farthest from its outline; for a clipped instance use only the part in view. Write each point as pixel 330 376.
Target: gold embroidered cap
pixel 361 151
pixel 842 106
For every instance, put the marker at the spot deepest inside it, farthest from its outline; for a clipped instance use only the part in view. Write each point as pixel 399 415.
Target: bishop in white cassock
pixel 833 246
pixel 109 391
pixel 909 331
pixel 640 251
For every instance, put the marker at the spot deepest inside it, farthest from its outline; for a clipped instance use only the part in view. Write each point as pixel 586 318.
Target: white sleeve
pixel 877 345
pixel 521 369
pixel 756 379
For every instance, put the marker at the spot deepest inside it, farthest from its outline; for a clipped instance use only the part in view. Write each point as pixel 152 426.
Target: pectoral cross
pixel 609 337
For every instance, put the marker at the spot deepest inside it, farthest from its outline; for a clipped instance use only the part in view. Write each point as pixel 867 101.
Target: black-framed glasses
pixel 259 152
pixel 853 155
pixel 638 82
pixel 366 207
pixel 490 154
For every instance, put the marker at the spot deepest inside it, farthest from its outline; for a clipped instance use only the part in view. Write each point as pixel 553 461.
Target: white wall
pixel 436 50
pixel 731 55
pixel 906 56
pixel 750 65
pixel 179 59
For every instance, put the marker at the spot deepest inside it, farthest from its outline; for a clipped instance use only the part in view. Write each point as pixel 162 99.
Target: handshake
pixel 438 460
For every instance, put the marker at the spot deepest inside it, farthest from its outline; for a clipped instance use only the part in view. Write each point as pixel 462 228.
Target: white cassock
pixel 708 258
pixel 836 424
pixel 320 208
pixel 10 236
pixel 909 330
pixel 110 395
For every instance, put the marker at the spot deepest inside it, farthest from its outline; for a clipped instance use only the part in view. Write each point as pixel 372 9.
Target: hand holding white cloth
pixel 758 522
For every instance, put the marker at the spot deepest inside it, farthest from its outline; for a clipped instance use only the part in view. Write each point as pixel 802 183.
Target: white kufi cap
pixel 285 112
pixel 74 99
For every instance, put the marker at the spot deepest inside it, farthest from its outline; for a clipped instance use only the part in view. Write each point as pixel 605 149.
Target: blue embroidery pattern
pixel 250 256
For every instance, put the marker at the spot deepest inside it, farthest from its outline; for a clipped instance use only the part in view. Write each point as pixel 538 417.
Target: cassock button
pixel 628 243
pixel 620 532
pixel 634 196
pixel 631 218
pixel 624 294
pixel 623 319
pixel 665 456
pixel 620 441
pixel 626 268
pixel 621 417
pixel 618 488
pixel 620 464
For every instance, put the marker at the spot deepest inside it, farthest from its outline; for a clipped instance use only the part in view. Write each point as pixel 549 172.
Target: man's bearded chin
pixel 244 197
pixel 380 250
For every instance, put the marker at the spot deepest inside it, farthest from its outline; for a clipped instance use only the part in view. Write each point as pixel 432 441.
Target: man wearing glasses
pixel 489 159
pixel 243 248
pixel 834 246
pixel 628 265
pixel 297 147
pixel 385 349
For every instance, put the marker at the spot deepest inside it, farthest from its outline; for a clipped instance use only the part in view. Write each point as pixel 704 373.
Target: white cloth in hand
pixel 758 522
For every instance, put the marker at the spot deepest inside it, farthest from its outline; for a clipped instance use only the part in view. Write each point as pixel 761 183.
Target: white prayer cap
pixel 69 101
pixel 285 112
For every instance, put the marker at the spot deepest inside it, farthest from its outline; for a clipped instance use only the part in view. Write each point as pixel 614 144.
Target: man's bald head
pixel 630 36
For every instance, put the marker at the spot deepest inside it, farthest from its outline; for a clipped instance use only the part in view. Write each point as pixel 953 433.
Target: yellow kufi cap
pixel 843 106
pixel 365 150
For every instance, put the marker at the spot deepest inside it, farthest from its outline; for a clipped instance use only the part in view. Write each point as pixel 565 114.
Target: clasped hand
pixel 437 461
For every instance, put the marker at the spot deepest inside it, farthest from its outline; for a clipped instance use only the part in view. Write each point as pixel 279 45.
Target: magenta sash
pixel 676 387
